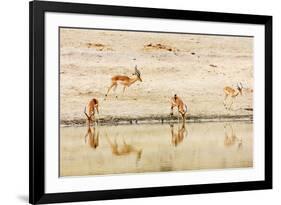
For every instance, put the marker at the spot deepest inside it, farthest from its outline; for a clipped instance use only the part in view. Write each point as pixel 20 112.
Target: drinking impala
pixel 90 109
pixel 176 101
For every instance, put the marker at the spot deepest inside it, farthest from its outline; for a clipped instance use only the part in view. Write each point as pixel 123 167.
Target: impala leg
pixel 183 119
pixel 94 121
pixel 97 109
pixel 124 142
pixel 88 118
pixel 172 109
pixel 124 88
pixel 224 101
pixel 185 131
pixel 172 129
pixel 92 117
pixel 85 138
pixel 97 138
pixel 111 86
pixel 115 142
pixel 114 89
pixel 98 117
pixel 231 102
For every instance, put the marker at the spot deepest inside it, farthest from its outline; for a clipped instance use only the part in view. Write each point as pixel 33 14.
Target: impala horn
pixel 241 85
pixel 137 72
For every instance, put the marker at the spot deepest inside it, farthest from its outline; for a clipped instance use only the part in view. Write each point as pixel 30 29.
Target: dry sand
pixel 195 67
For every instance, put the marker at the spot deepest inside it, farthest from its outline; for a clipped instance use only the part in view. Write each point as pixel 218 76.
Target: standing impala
pixel 124 80
pixel 176 101
pixel 89 111
pixel 232 92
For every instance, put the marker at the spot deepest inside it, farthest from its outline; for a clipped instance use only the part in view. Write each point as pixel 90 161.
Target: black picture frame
pixel 37 10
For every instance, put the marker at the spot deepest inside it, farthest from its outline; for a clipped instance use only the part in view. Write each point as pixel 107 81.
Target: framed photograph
pixel 141 102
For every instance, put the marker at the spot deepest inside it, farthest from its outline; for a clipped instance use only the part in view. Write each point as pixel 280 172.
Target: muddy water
pixel 155 148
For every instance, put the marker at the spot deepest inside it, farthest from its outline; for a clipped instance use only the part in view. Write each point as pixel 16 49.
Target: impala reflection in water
pixel 155 148
pixel 179 135
pixel 92 137
pixel 124 148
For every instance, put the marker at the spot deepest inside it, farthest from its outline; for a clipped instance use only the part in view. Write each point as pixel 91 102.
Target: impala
pixel 90 109
pixel 182 108
pixel 124 80
pixel 232 92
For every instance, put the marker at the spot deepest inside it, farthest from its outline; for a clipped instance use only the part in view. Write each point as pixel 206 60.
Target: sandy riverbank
pixel 195 67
